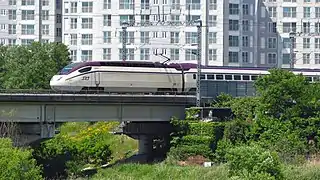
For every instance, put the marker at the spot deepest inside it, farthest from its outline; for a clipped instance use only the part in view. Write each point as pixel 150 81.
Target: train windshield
pixel 68 68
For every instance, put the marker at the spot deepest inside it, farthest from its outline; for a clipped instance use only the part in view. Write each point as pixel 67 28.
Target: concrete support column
pixel 145 144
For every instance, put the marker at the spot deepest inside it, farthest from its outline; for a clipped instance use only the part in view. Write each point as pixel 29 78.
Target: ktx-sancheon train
pixel 150 77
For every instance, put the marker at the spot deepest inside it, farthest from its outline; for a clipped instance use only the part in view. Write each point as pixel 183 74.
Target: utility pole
pixel 292 59
pixel 124 41
pixel 199 26
pixel 40 21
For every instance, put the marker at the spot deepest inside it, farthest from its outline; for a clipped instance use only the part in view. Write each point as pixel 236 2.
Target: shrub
pixel 253 160
pixel 17 163
pixel 182 152
pixel 237 131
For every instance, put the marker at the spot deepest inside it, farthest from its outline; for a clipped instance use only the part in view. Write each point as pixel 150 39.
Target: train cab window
pixel 237 77
pixel 309 79
pixel 202 76
pixel 246 78
pixel 219 77
pixel 253 78
pixel 210 76
pixel 228 77
pixel 315 79
pixel 86 69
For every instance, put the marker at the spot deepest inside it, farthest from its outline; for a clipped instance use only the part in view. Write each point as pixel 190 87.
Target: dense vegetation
pixel 31 67
pixel 279 126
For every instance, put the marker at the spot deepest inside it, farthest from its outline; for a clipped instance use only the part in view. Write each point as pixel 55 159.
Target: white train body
pixel 148 77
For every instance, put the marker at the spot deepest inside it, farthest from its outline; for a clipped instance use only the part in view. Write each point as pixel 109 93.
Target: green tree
pixel 32 66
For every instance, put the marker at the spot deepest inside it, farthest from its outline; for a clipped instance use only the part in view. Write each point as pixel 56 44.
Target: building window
pixel 306 58
pixel 12 29
pixel 245 25
pixel 86 55
pixel 86 39
pixel 87 23
pixel 233 9
pixel 306 12
pixel 233 57
pixel 45 29
pixel 212 54
pixel 27 29
pixel 106 54
pixel 317 43
pixel 106 20
pixel 45 14
pixel 27 14
pixel 233 25
pixel 73 23
pixel 191 37
pixel 212 21
pixel 12 2
pixel 130 54
pixel 212 4
pixel 290 12
pixel 193 4
pixel 12 14
pixel 144 54
pixel 191 54
pixel 245 9
pixel 73 55
pixel 12 42
pixel 126 4
pixel 107 37
pixel 58 18
pixel 288 27
pixel 272 27
pixel 26 41
pixel 212 36
pixel 245 41
pixel 145 4
pixel 175 4
pixel 272 43
pixel 126 18
pixel 107 4
pixel 287 43
pixel 27 2
pixel 272 58
pixel 286 58
pixel 272 12
pixel 317 10
pixel 245 57
pixel 74 7
pixel 130 37
pixel 306 27
pixel 174 54
pixel 306 43
pixel 45 2
pixel 58 32
pixel 144 37
pixel 234 41
pixel 73 39
pixel 317 58
pixel 174 37
pixel 87 7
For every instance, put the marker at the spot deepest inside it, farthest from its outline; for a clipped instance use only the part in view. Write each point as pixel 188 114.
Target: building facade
pixel 19 21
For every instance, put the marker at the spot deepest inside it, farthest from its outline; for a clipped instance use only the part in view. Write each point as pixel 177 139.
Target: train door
pixel 171 79
pixel 97 78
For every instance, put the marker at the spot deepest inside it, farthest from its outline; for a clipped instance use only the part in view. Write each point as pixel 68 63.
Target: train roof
pixel 178 66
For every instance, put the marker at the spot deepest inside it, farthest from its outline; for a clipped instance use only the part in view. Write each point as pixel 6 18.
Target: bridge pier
pixel 145 144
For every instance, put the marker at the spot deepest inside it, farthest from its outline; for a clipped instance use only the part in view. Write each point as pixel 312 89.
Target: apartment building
pixel 19 21
pixel 301 17
pixel 235 32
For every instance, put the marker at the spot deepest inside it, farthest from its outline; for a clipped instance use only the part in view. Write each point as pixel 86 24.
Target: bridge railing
pixel 91 92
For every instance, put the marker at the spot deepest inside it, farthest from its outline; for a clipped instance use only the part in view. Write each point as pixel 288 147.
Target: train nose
pixel 55 83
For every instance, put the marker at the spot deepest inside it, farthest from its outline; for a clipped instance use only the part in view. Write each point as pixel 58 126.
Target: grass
pixel 161 171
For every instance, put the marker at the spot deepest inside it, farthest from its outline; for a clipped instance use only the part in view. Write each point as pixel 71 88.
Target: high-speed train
pixel 150 77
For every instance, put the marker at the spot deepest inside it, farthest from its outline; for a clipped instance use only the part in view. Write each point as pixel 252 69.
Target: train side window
pixel 219 76
pixel 246 78
pixel 228 77
pixel 210 76
pixel 237 77
pixel 308 78
pixel 202 76
pixel 194 76
pixel 315 78
pixel 86 69
pixel 253 78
